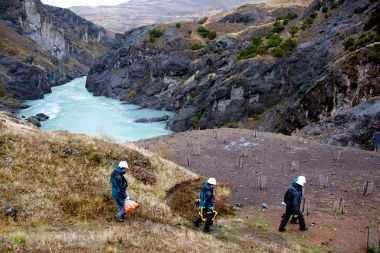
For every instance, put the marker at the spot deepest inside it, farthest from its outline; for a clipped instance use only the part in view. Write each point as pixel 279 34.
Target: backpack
pixel 287 196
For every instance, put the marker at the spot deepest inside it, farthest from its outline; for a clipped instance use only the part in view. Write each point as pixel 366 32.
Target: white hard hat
pixel 301 180
pixel 212 181
pixel 123 164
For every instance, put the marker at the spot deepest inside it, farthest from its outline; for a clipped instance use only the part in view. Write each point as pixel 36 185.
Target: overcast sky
pixel 69 3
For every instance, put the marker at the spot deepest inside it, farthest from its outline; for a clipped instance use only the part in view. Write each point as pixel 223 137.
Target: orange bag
pixel 130 205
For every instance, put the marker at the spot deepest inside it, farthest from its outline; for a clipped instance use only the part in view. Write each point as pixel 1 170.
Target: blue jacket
pixel 119 184
pixel 206 197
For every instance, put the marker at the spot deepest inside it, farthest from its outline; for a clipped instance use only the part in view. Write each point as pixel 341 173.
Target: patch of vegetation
pixel 256 47
pixel 278 52
pixel 305 249
pixel 196 47
pixel 288 16
pixel 178 25
pixel 206 33
pixel 364 40
pixel 325 9
pixel 228 124
pixel 202 20
pixel 196 121
pixel 259 224
pixel 189 32
pixel 314 15
pixel 350 44
pixel 19 238
pixel 277 27
pixel 154 34
pixel 374 21
pixel 131 94
pixel 288 45
pixel 274 40
pixel 374 57
pixel 293 30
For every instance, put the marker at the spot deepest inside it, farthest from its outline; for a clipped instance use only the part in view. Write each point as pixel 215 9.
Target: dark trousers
pixel 206 216
pixel 286 216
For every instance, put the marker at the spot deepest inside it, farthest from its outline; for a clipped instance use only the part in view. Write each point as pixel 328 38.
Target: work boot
pixel 281 230
pixel 196 222
pixel 121 220
pixel 304 229
pixel 208 229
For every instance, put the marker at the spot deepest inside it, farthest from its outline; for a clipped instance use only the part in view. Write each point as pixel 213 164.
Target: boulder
pixel 41 117
pixel 34 121
pixel 150 120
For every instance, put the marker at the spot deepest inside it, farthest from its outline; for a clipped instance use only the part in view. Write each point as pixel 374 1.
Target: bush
pixel 131 94
pixel 288 16
pixel 196 47
pixel 277 52
pixel 206 33
pixel 289 45
pixel 325 9
pixel 19 238
pixel 202 21
pixel 274 40
pixel 314 15
pixel 374 21
pixel 293 30
pixel 154 34
pixel 178 25
pixel 309 21
pixel 257 40
pixel 366 39
pixel 350 44
pixel 277 27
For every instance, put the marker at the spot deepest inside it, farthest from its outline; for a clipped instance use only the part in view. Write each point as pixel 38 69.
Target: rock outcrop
pixel 42 46
pixel 208 86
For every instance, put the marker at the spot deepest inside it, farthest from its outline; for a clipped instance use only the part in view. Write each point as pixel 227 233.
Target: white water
pixel 71 107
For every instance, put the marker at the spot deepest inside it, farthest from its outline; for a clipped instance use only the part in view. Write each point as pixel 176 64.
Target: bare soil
pixel 272 155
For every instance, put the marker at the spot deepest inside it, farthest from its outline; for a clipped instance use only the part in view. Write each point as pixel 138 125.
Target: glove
pixel 295 216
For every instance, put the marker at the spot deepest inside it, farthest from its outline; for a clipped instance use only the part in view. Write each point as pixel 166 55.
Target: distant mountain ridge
pixel 136 13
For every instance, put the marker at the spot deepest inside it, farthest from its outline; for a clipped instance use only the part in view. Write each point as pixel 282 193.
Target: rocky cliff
pixel 42 46
pixel 276 68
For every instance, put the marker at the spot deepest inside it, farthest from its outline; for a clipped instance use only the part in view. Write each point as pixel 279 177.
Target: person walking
pixel 292 200
pixel 119 188
pixel 206 202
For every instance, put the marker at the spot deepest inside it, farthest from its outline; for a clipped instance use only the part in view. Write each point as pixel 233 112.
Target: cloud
pixel 69 3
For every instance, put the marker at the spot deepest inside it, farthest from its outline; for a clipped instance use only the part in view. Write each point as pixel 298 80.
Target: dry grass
pixel 59 183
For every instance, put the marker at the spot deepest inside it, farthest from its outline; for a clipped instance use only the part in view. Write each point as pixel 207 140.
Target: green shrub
pixel 325 9
pixel 197 120
pixel 288 16
pixel 274 40
pixel 256 40
pixel 19 238
pixel 293 30
pixel 277 27
pixel 178 25
pixel 309 21
pixel 131 94
pixel 366 39
pixel 154 34
pixel 314 15
pixel 350 44
pixel 196 47
pixel 202 21
pixel 289 44
pixel 255 48
pixel 206 33
pixel 277 52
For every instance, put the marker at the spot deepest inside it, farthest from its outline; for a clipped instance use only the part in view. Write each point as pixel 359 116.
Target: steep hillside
pixel 56 197
pixel 136 13
pixel 271 66
pixel 42 46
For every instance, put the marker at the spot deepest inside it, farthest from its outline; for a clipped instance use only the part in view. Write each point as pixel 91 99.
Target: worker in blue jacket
pixel 206 202
pixel 292 200
pixel 119 188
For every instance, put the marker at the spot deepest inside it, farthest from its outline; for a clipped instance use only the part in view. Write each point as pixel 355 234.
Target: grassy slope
pixel 64 203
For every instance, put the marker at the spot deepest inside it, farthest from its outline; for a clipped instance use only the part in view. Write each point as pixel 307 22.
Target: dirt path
pixel 272 156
